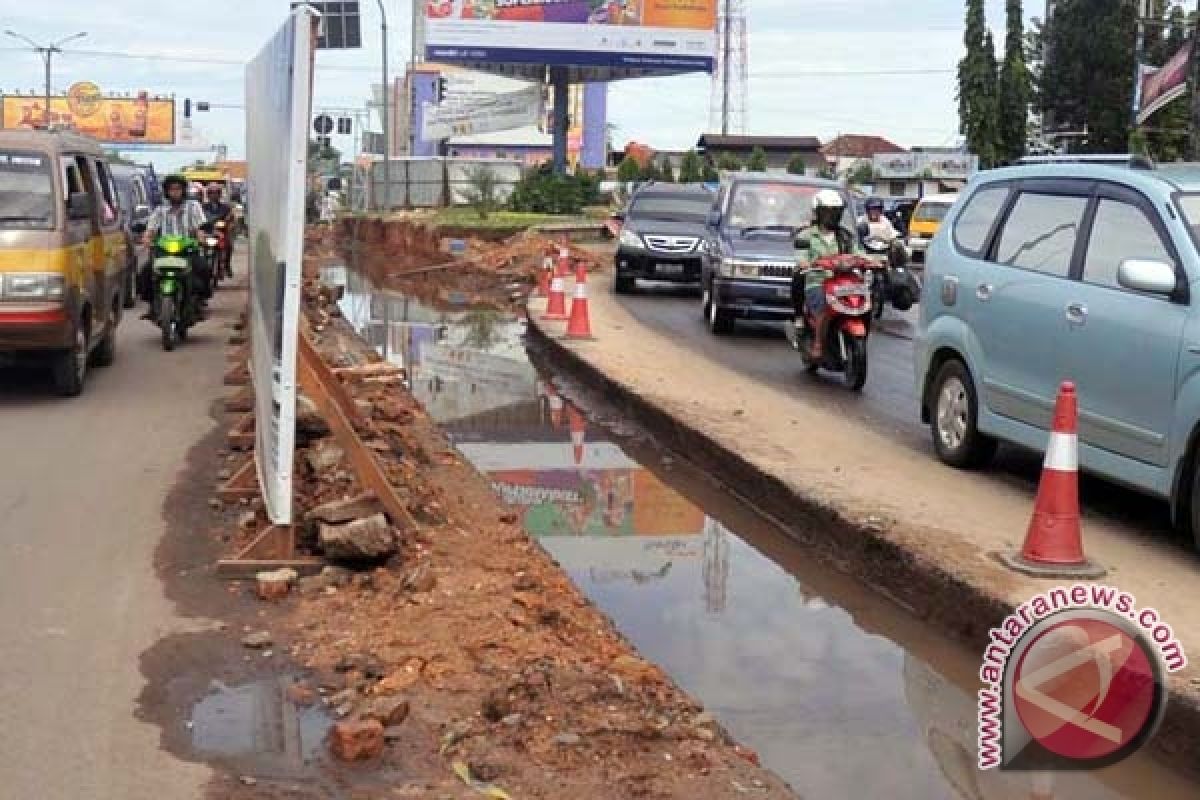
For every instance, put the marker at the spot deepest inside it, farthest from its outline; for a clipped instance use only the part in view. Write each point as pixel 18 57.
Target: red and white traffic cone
pixel 564 262
pixel 1054 542
pixel 556 308
pixel 543 278
pixel 578 432
pixel 556 408
pixel 579 325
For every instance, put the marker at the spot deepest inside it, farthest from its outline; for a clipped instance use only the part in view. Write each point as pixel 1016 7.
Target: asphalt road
pixel 83 484
pixel 888 403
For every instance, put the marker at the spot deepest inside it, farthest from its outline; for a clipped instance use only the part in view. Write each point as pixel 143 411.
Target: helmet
pixel 828 207
pixel 874 204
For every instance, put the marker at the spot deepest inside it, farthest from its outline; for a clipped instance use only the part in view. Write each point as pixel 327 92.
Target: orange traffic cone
pixel 579 326
pixel 543 286
pixel 556 408
pixel 1054 543
pixel 556 309
pixel 564 262
pixel 578 431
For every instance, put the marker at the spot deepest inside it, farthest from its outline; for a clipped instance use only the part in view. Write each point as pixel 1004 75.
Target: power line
pixel 170 58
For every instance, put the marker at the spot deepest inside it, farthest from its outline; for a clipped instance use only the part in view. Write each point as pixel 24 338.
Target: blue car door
pixel 1122 346
pixel 1018 298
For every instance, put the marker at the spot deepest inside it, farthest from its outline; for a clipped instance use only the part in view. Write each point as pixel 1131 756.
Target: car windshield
pixel 767 205
pixel 26 191
pixel 931 212
pixel 662 206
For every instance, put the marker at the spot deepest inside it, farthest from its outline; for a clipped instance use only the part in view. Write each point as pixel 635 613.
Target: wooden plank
pixel 241 401
pixel 241 435
pixel 243 483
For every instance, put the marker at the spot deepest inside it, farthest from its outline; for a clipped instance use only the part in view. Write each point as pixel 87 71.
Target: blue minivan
pixel 1070 271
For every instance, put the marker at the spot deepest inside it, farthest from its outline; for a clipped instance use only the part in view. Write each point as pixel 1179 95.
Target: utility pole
pixel 387 147
pixel 726 56
pixel 47 53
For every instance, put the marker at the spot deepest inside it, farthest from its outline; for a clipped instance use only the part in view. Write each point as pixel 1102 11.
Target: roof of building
pixel 857 145
pixel 738 142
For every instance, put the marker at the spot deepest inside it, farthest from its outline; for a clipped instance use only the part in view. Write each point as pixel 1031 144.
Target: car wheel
pixel 954 413
pixel 624 284
pixel 720 321
pixel 70 366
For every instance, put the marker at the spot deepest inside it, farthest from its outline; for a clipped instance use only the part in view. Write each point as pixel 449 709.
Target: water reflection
pixel 835 709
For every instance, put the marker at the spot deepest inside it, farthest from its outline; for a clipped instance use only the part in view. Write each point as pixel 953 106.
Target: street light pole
pixel 387 148
pixel 47 53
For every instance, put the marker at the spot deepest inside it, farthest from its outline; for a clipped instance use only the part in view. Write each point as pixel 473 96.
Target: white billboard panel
pixel 472 114
pixel 279 104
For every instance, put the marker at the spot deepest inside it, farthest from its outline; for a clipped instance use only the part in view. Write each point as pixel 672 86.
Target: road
pixel 84 484
pixel 888 404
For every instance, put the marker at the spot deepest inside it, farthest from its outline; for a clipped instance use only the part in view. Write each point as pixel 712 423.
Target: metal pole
pixel 387 147
pixel 558 82
pixel 726 66
pixel 47 55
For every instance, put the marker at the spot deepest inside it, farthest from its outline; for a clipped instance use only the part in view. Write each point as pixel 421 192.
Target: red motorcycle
pixel 842 325
pixel 224 248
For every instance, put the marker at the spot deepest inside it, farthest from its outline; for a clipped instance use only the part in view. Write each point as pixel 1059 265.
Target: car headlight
pixel 173 246
pixel 728 267
pixel 631 239
pixel 33 286
pixel 744 270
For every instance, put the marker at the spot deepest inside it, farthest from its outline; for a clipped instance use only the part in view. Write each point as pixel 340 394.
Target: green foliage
pixel 710 173
pixel 691 169
pixel 1013 93
pixel 796 165
pixel 541 191
pixel 649 172
pixel 665 172
pixel 629 170
pixel 1088 80
pixel 863 172
pixel 482 184
pixel 977 90
pixel 729 163
pixel 758 160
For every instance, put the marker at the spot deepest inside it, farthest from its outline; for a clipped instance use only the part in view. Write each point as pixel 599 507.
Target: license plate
pixel 171 262
pixel 669 269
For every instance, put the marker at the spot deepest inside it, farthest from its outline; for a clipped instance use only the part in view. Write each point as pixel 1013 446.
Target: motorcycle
pixel 843 325
pixel 210 249
pixel 895 283
pixel 173 306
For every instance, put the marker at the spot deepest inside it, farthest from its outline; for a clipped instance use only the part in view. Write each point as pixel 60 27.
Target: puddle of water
pixel 840 693
pixel 255 724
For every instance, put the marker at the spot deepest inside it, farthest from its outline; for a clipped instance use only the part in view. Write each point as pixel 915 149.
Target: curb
pixel 964 611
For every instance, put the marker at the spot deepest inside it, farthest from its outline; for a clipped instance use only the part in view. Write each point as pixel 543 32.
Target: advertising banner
pixel 1158 87
pixel 279 101
pixel 650 35
pixel 141 119
pixel 497 112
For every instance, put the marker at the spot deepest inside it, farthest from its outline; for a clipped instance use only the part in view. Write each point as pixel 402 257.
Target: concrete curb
pixel 964 610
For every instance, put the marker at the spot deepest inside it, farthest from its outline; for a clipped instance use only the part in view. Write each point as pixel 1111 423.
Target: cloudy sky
pixel 817 67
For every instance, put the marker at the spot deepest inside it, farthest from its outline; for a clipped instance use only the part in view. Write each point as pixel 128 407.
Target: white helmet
pixel 828 198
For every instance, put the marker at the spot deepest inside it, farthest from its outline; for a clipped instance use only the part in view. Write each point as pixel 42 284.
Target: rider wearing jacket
pixel 878 226
pixel 215 210
pixel 177 216
pixel 825 237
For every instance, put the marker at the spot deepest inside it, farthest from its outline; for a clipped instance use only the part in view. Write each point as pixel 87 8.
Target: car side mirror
pixel 1142 275
pixel 79 205
pixel 714 219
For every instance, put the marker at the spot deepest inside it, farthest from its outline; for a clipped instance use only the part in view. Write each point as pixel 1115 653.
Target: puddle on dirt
pixel 255 724
pixel 834 687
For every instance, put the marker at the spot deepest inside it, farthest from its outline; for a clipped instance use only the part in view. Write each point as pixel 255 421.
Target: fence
pixel 426 182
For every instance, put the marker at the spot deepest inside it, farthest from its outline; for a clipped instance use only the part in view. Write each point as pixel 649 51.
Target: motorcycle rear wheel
pixel 854 374
pixel 167 322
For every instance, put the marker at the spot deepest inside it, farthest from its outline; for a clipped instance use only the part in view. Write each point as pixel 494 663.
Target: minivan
pixel 1084 272
pixel 63 255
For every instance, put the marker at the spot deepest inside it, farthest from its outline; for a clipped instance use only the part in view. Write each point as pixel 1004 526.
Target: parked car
pixel 133 197
pixel 62 254
pixel 926 219
pixel 661 235
pixel 749 256
pixel 1084 272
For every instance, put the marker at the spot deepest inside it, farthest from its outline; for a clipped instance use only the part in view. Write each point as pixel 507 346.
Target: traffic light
pixel 345 125
pixel 202 105
pixel 187 107
pixel 442 85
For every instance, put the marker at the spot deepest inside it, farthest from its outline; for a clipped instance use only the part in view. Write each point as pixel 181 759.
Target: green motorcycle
pixel 173 308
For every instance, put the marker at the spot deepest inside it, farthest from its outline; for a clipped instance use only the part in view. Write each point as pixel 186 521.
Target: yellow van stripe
pixel 71 260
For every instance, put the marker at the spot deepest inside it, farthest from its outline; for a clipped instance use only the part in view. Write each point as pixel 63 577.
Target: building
pixel 780 150
pixel 849 151
pixel 924 170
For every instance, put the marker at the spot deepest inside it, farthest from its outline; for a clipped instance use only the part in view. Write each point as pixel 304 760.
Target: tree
pixel 796 165
pixel 1012 89
pixel 480 193
pixel 629 170
pixel 863 172
pixel 649 172
pixel 729 163
pixel 977 86
pixel 691 169
pixel 710 173
pixel 665 172
pixel 1087 80
pixel 758 160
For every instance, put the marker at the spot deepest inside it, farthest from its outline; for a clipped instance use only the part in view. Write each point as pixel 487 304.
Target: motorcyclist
pixel 878 226
pixel 216 210
pixel 177 216
pixel 827 236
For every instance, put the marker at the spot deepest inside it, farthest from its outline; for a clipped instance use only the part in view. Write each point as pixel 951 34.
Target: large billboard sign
pixel 643 35
pixel 279 97
pixel 1158 87
pixel 140 119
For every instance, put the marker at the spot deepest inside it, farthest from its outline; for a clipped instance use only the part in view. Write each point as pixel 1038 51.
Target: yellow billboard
pixel 140 119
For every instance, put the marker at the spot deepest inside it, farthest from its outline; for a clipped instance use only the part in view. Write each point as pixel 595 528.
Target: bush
pixel 729 162
pixel 649 173
pixel 665 173
pixel 863 172
pixel 629 170
pixel 796 166
pixel 710 174
pixel 481 189
pixel 758 160
pixel 540 191
pixel 691 169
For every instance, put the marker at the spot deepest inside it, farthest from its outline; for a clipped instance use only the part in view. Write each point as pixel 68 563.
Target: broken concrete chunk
pixel 357 740
pixel 362 540
pixel 257 640
pixel 324 456
pixel 339 512
pixel 275 585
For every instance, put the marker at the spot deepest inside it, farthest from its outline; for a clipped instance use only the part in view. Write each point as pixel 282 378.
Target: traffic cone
pixel 556 408
pixel 564 262
pixel 543 278
pixel 1054 542
pixel 579 325
pixel 578 431
pixel 556 308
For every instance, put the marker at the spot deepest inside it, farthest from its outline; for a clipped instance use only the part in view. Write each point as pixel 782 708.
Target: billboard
pixel 1158 87
pixel 141 119
pixel 279 90
pixel 473 115
pixel 645 35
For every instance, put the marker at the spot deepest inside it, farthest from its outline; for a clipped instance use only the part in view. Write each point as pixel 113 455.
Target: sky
pixel 816 67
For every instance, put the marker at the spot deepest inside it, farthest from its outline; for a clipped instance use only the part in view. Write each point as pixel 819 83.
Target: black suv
pixel 662 236
pixel 750 254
